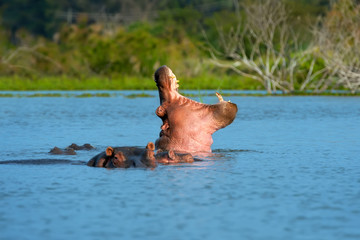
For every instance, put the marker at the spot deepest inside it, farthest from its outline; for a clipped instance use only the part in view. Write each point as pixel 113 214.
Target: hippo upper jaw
pixel 224 114
pixel 167 84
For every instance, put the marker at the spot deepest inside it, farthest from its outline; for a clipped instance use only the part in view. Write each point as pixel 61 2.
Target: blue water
pixel 287 168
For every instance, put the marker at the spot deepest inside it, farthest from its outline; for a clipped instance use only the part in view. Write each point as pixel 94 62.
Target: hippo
pixel 70 150
pixel 59 151
pixel 188 125
pixel 125 157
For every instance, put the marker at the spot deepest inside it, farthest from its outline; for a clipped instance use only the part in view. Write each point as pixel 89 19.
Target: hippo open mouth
pixel 188 125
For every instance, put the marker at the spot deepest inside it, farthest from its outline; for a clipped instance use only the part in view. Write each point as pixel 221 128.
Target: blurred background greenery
pixel 118 44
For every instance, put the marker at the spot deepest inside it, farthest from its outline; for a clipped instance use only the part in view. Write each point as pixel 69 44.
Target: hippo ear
pixel 150 146
pixel 109 151
pixel 171 154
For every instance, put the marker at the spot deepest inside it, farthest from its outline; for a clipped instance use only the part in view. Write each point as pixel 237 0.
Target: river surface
pixel 286 168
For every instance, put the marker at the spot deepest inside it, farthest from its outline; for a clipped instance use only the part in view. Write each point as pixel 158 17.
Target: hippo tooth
pixel 219 97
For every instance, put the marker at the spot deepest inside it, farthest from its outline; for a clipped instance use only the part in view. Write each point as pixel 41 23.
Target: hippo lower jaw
pixel 185 142
pixel 189 148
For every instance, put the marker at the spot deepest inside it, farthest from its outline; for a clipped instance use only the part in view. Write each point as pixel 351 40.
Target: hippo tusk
pixel 219 97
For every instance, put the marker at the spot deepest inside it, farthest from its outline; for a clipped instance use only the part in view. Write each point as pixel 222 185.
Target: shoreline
pixel 135 93
pixel 239 86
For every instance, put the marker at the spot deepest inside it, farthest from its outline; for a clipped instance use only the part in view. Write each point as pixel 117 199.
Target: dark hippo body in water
pixel 119 157
pixel 126 157
pixel 71 149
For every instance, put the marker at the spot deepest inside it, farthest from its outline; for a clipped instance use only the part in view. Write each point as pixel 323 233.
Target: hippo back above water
pixel 127 157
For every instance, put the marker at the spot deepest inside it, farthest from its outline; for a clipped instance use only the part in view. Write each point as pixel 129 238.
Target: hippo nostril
pixel 163 133
pixel 160 111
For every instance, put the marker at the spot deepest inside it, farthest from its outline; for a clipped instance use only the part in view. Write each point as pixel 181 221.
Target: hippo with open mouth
pixel 186 130
pixel 188 125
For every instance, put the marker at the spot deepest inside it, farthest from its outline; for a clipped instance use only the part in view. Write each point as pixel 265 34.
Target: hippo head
pixel 188 125
pixel 116 158
pixel 124 157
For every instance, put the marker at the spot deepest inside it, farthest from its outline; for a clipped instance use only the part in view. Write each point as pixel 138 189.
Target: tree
pixel 263 46
pixel 338 39
pixel 35 16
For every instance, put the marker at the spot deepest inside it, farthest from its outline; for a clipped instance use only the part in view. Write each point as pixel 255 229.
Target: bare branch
pixel 339 49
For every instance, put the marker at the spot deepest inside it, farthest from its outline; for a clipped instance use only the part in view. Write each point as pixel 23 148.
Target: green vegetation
pixel 19 83
pixel 117 45
pixel 140 95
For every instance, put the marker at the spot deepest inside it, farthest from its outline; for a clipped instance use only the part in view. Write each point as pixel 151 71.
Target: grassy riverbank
pixel 123 83
pixel 64 83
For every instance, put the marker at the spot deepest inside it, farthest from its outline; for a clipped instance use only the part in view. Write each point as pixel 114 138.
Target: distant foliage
pixel 282 45
pixel 94 50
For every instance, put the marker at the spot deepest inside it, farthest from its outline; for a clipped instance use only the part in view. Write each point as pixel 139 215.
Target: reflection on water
pixel 287 168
